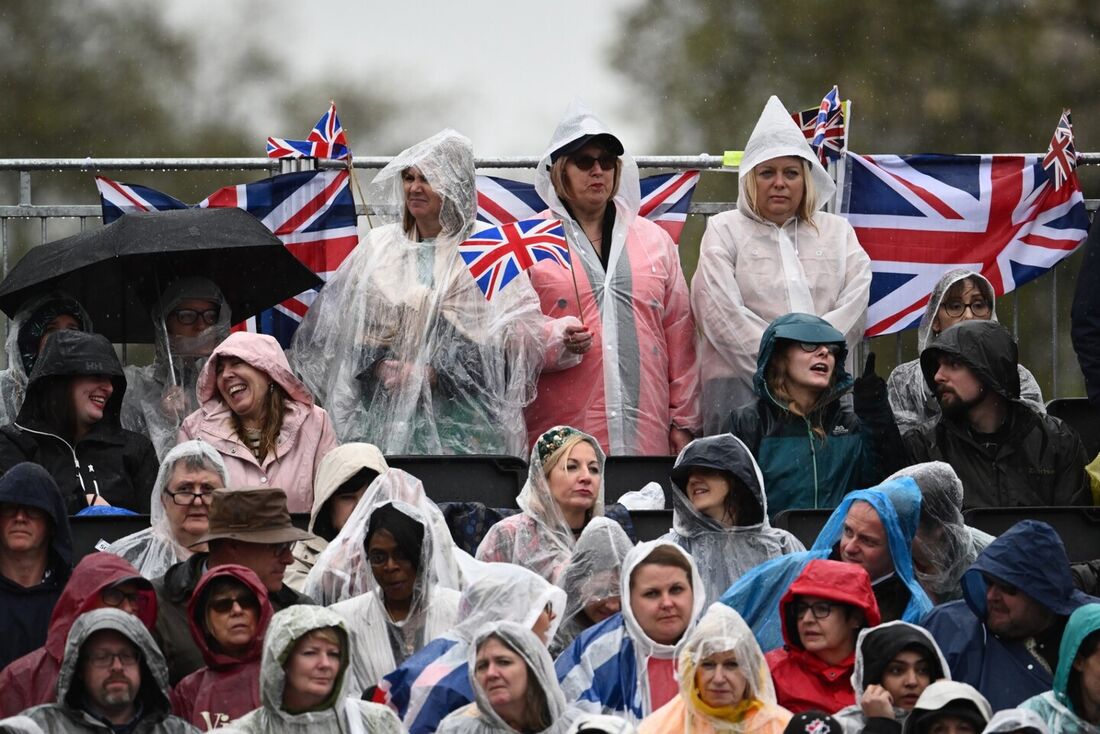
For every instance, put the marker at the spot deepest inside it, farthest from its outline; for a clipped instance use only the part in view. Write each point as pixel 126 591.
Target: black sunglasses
pixel 585 162
pixel 224 604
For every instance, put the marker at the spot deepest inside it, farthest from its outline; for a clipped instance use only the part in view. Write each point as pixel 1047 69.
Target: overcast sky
pixel 503 71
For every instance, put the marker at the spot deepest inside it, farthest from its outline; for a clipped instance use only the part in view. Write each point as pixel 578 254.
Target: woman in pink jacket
pixel 636 388
pixel 260 418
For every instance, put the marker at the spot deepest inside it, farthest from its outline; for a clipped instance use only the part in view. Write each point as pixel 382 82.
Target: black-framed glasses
pixel 188 498
pixel 820 609
pixel 585 162
pixel 811 347
pixel 381 558
pixel 104 659
pixel 224 604
pixel 978 307
pixel 188 316
pixel 114 597
pixel 32 513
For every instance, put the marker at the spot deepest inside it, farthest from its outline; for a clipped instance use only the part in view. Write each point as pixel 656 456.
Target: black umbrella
pixel 118 272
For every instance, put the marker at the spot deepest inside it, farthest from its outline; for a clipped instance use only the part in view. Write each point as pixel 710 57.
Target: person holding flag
pixel 401 346
pixel 636 387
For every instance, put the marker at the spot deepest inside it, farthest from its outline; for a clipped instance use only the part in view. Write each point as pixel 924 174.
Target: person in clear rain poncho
pixel 189 320
pixel 416 360
pixel 636 388
pixel 591 580
pixel 178 509
pixel 434 682
pixel 1072 706
pixel 564 490
pixel 1016 721
pixel 725 684
pixel 776 253
pixel 720 512
pixel 27 333
pixel 303 674
pixel 960 295
pixel 515 688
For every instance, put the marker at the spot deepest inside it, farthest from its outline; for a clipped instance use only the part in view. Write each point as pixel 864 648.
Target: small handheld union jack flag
pixel 326 140
pixel 1061 157
pixel 495 256
pixel 824 127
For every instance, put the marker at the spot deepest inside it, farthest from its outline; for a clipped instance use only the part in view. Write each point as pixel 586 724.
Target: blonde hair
pixel 331 635
pixel 806 207
pixel 563 451
pixel 561 183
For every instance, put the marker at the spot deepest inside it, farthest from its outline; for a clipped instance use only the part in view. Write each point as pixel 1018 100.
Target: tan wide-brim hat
pixel 251 515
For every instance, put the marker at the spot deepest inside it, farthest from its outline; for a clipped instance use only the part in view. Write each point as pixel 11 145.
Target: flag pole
pixel 355 182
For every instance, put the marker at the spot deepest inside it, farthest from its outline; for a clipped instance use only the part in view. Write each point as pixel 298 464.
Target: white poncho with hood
pixel 752 271
pixel 910 397
pixel 342 714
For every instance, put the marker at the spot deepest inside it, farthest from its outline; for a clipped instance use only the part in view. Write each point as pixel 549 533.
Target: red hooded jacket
pixel 32 679
pixel 228 687
pixel 803 681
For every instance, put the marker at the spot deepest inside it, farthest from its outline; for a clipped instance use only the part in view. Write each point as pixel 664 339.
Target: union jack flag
pixel 1061 157
pixel 824 127
pixel 666 199
pixel 920 216
pixel 495 256
pixel 312 212
pixel 326 140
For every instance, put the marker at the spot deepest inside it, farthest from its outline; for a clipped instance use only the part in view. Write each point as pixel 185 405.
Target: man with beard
pixel 1005 453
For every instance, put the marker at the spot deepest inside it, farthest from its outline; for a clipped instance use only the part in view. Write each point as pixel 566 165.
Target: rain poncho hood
pixel 258 350
pixel 593 574
pixel 342 571
pixel 30 485
pixel 1016 720
pixel 434 681
pixel 409 304
pixel 724 554
pixel 69 354
pixel 926 333
pixel 639 379
pixel 154 549
pixel 947 696
pixel 802 327
pixel 1056 707
pixel 984 346
pixel 605 670
pixel 483 719
pixel 24 333
pixel 196 611
pixel 897 503
pixel 844 583
pixel 539 538
pixel 340 714
pixel 775 136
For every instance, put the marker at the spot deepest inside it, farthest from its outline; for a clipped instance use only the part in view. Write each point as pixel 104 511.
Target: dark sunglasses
pixel 812 347
pixel 188 316
pixel 224 605
pixel 585 162
pixel 114 597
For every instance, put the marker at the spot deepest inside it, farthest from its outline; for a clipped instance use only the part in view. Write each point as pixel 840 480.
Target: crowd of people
pixel 382 616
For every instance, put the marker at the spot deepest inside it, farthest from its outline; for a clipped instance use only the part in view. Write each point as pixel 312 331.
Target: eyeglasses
pixel 811 347
pixel 281 548
pixel 955 309
pixel 188 498
pixel 820 609
pixel 105 659
pixel 1006 589
pixel 381 558
pixel 188 316
pixel 32 513
pixel 224 605
pixel 113 597
pixel 585 162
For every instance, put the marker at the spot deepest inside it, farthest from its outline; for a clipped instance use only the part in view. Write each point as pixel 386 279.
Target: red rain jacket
pixel 803 681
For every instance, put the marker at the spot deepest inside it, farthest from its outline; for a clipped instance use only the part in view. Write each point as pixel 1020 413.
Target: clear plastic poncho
pixel 591 576
pixel 177 364
pixel 154 549
pixel 538 538
pixel 342 570
pixel 910 397
pixel 344 714
pixel 402 348
pixel 1007 721
pixel 481 718
pixel 384 643
pixel 24 332
pixel 724 554
pixel 944 546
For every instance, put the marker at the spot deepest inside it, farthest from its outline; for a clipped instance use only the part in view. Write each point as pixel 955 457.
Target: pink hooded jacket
pixel 306 436
pixel 639 379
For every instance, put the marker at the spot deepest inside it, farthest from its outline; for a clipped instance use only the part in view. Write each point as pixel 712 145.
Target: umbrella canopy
pixel 118 272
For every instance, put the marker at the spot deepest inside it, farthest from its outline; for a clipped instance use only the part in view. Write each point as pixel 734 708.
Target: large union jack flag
pixel 920 216
pixel 495 256
pixel 666 199
pixel 312 212
pixel 326 140
pixel 824 127
pixel 1061 157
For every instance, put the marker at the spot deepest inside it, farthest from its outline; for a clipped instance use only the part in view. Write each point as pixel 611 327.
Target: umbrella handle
pixel 168 350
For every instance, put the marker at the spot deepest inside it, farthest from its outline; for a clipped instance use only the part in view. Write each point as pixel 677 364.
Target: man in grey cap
pixel 250 527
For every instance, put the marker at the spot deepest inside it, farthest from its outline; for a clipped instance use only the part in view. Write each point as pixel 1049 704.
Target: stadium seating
pixel 624 474
pixel 1083 416
pixel 1078 527
pixel 803 524
pixel 494 481
pixel 95 532
pixel 651 524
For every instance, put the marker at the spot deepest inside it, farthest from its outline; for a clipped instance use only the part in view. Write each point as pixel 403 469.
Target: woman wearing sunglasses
pixel 229 612
pixel 774 254
pixel 190 319
pixel 635 388
pixel 812 447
